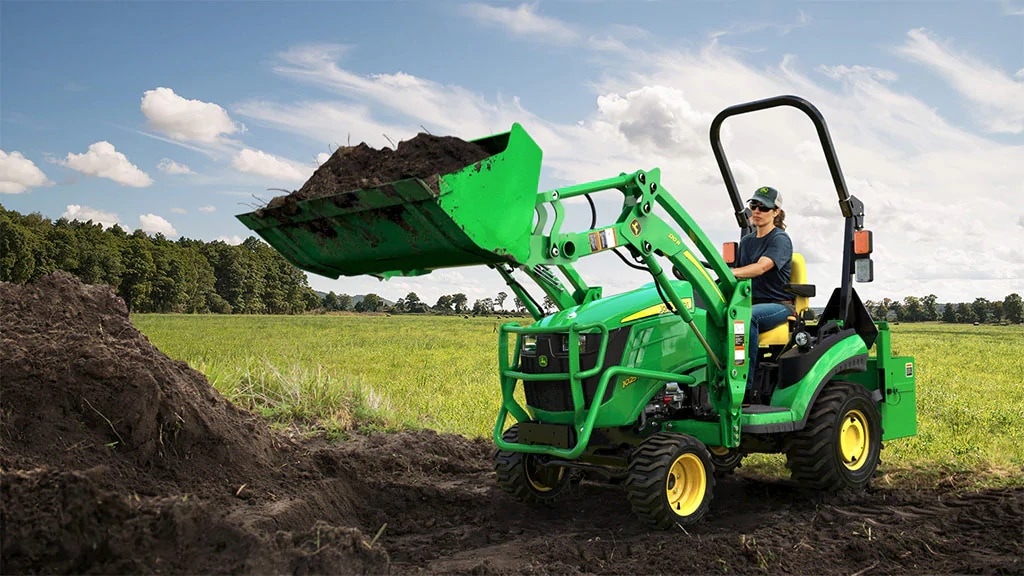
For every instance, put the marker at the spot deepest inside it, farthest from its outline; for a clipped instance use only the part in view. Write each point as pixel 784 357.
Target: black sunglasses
pixel 754 206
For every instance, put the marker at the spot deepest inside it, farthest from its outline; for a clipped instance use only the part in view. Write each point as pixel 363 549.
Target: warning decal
pixel 739 342
pixel 602 239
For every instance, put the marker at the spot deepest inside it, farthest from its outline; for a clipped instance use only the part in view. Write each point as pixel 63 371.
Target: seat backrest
pixel 779 335
pixel 798 275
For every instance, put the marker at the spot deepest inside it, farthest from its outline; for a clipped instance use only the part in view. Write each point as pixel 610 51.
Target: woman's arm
pixel 754 270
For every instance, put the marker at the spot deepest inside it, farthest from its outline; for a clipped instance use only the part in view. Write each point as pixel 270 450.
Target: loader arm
pixel 491 213
pixel 639 228
pixel 645 234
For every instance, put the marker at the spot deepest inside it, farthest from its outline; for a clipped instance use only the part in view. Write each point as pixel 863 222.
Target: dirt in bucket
pixel 353 168
pixel 115 458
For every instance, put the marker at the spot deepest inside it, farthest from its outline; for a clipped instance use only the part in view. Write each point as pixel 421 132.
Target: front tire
pixel 726 460
pixel 670 480
pixel 841 444
pixel 522 476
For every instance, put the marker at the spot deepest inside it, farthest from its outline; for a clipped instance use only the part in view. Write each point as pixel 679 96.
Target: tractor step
pixel 763 409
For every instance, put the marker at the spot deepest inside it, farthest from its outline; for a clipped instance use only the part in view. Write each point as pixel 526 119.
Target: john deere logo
pixel 634 226
pixel 763 191
pixel 543 361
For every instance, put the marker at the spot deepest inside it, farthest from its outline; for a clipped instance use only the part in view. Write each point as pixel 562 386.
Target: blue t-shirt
pixel 776 245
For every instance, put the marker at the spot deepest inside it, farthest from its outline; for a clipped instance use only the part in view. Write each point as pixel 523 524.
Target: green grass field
pixel 391 371
pixel 440 373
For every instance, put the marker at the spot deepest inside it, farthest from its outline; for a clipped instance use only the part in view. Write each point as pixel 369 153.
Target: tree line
pixel 927 309
pixel 154 274
pixel 445 304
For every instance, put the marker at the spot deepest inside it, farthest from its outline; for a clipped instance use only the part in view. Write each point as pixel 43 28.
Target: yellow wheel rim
pixel 542 480
pixel 686 484
pixel 854 440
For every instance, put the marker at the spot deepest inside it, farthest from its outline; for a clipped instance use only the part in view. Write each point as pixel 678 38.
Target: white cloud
pixel 85 214
pixel 1013 7
pixel 999 98
pixel 19 174
pixel 442 109
pixel 207 209
pixel 843 72
pixel 607 44
pixel 781 29
pixel 179 211
pixel 655 117
pixel 333 123
pixel 153 224
pixel 103 160
pixel 232 240
pixel 169 166
pixel 186 120
pixel 263 164
pixel 321 158
pixel 523 20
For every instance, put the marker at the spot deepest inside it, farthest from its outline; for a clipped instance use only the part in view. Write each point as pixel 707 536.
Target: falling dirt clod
pixel 117 459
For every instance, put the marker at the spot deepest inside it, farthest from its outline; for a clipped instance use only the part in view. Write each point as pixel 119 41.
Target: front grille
pixel 556 395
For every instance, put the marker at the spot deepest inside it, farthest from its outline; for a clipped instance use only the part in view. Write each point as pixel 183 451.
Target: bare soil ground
pixel 117 459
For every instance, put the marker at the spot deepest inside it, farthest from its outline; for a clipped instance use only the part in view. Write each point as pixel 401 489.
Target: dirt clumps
pixel 117 459
pixel 353 168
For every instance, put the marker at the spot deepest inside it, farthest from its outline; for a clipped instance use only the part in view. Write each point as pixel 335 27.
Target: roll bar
pixel 851 207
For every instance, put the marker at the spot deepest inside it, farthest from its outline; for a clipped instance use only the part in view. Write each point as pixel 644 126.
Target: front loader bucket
pixel 480 214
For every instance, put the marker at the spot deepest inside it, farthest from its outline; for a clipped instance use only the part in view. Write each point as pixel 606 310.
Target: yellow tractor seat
pixel 802 293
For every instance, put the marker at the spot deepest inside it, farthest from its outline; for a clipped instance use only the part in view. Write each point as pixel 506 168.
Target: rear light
pixel 862 242
pixel 729 253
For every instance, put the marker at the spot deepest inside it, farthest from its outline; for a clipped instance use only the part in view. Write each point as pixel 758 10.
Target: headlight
pixel 588 342
pixel 529 344
pixel 802 339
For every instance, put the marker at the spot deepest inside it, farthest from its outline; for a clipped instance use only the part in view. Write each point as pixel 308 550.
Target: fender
pixel 845 353
pixel 794 364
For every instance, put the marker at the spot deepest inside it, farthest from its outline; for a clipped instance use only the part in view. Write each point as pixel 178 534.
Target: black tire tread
pixel 510 470
pixel 727 470
pixel 648 468
pixel 811 454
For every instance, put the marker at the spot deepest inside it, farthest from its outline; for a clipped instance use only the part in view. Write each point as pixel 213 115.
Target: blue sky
pixel 175 116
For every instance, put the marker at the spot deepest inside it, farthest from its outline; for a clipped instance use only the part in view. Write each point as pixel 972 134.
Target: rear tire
pixel 522 476
pixel 841 443
pixel 671 480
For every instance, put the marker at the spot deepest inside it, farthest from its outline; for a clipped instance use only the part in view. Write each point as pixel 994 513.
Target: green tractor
pixel 646 388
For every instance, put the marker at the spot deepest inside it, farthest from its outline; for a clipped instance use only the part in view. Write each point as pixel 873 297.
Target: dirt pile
pixel 77 374
pixel 357 167
pixel 116 459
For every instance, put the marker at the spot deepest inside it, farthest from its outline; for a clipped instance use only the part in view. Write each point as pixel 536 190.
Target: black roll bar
pixel 852 208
